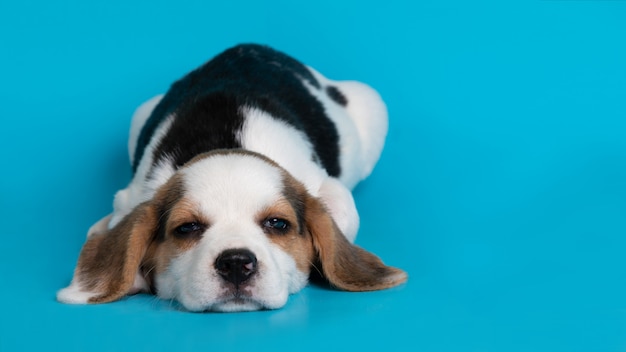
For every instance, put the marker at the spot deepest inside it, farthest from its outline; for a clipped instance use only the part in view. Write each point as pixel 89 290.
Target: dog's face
pixel 231 231
pixel 234 239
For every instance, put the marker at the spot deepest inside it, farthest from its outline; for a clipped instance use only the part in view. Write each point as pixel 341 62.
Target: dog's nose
pixel 236 265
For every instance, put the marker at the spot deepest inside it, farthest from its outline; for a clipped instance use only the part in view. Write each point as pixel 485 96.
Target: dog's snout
pixel 236 265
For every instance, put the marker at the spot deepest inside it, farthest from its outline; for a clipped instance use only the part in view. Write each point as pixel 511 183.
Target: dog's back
pixel 255 98
pixel 208 106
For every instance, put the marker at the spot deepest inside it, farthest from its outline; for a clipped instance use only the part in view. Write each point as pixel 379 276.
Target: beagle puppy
pixel 242 178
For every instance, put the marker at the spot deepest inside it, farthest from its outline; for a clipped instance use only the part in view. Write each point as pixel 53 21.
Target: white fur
pixel 284 144
pixel 231 191
pixel 74 294
pixel 340 204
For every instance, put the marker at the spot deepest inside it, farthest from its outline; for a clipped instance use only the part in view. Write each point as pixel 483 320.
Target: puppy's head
pixel 231 231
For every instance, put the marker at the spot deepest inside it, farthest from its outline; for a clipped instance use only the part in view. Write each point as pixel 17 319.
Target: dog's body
pixel 242 179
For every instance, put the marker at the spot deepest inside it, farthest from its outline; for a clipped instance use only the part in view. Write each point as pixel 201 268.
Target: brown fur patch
pixel 294 242
pixel 181 213
pixel 110 260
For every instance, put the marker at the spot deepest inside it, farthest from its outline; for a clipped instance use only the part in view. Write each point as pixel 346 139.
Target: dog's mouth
pixel 237 300
pixel 236 304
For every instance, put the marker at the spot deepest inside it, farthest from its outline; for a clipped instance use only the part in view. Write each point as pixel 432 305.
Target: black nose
pixel 236 265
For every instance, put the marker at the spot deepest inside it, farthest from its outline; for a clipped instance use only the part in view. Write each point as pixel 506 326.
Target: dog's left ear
pixel 108 263
pixel 346 266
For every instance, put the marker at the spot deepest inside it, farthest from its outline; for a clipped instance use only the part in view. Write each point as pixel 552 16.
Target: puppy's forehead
pixel 233 181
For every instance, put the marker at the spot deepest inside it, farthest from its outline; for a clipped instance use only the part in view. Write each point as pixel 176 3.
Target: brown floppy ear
pixel 346 266
pixel 109 260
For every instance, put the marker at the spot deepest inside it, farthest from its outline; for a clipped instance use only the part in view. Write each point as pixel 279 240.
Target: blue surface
pixel 502 188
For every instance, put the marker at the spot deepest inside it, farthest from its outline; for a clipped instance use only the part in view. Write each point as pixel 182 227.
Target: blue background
pixel 502 188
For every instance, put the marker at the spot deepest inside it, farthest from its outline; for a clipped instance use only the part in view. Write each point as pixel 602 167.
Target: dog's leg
pixel 369 113
pixel 340 204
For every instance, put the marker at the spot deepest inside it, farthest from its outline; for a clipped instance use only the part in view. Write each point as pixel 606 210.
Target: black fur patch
pixel 207 105
pixel 208 124
pixel 336 95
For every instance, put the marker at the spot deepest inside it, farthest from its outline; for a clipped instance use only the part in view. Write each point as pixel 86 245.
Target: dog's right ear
pixel 346 266
pixel 109 260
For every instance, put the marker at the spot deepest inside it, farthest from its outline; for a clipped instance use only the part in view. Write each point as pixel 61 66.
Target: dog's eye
pixel 276 225
pixel 187 229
